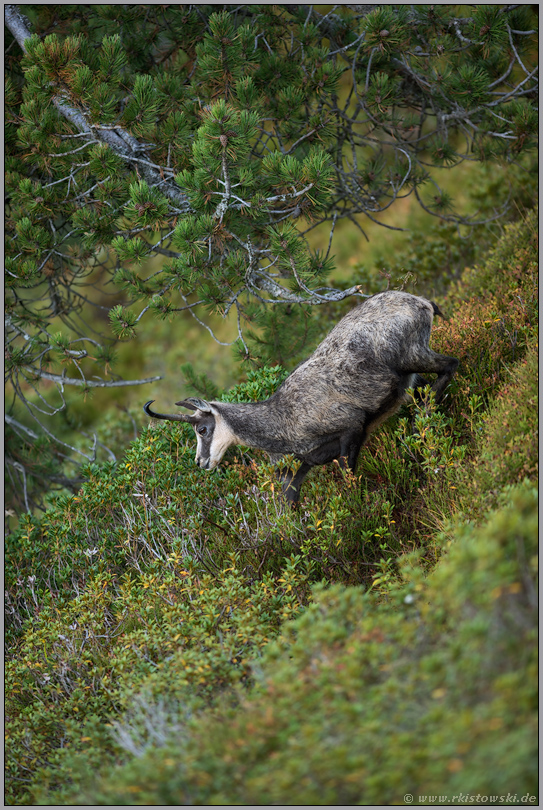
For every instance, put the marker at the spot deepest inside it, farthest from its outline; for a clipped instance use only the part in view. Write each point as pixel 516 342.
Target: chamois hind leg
pixel 445 375
pixel 440 364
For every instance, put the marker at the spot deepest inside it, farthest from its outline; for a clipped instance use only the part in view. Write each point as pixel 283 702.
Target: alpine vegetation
pixel 326 409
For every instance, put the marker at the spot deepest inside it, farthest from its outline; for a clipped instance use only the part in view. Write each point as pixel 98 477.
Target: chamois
pixel 326 409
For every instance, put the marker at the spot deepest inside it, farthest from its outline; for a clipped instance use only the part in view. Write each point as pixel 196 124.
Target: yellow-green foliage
pixel 430 692
pixel 510 448
pixel 142 612
pixel 495 311
pixel 165 630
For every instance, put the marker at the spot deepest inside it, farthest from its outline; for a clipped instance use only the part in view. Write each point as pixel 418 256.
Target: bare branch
pixel 281 295
pixel 18 426
pixel 62 380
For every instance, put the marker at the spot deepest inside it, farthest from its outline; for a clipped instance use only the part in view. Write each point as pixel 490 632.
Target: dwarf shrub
pixel 162 628
pixel 142 611
pixel 509 449
pixel 360 701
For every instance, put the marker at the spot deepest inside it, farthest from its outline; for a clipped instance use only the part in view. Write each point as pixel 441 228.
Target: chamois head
pixel 213 437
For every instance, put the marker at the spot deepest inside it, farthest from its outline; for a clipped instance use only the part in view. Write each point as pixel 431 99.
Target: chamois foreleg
pixel 349 449
pixel 292 482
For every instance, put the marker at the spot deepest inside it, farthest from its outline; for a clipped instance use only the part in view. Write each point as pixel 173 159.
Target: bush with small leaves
pixel 142 611
pixel 361 700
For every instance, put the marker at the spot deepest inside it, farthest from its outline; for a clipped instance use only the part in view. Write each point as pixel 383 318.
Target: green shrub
pixel 432 691
pixel 141 610
pixel 164 629
pixel 135 583
pixel 509 450
pixel 494 316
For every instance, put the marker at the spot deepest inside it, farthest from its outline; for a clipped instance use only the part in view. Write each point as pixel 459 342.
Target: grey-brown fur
pixel 326 409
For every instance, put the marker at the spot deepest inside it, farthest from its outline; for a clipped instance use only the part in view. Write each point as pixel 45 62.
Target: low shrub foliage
pixel 431 691
pixel 196 641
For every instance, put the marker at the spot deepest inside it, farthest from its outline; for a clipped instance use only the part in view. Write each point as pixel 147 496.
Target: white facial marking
pixel 222 439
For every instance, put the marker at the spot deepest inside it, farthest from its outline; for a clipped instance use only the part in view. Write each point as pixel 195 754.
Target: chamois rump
pixel 326 409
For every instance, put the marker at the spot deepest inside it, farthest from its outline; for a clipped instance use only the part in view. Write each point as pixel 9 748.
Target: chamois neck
pixel 257 424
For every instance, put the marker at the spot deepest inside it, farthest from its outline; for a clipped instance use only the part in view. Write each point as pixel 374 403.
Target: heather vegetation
pixel 176 636
pixel 193 641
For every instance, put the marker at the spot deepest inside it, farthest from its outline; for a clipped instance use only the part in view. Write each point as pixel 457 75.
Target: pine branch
pixel 119 141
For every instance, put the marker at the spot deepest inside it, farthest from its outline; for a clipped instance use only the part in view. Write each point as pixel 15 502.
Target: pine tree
pixel 216 137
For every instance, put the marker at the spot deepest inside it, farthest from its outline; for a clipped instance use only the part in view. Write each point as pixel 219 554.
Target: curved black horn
pixel 174 417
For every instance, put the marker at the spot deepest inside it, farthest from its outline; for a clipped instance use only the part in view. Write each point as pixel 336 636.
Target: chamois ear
pixel 194 403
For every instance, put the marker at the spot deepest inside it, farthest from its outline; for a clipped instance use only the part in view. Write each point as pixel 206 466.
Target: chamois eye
pixel 202 430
